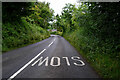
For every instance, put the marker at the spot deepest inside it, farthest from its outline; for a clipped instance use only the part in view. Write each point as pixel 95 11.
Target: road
pixel 53 57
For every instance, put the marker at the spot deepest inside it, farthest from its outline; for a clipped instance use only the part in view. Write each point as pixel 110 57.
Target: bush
pixel 22 33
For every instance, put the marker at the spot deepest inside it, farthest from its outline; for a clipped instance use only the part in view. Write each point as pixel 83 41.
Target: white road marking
pixel 45 60
pixel 78 59
pixel 41 62
pixel 52 61
pixel 35 62
pixel 21 69
pixel 68 63
pixel 50 44
pixel 15 74
pixel 55 61
pixel 54 39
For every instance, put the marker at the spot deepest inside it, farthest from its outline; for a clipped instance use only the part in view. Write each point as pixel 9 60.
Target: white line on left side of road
pixel 21 69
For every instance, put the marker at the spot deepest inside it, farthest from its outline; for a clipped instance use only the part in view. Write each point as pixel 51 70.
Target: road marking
pixel 41 62
pixel 21 69
pixel 68 63
pixel 56 61
pixel 15 74
pixel 52 61
pixel 50 44
pixel 54 39
pixel 76 58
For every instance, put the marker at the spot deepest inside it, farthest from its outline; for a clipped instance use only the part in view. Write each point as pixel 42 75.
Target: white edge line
pixel 15 74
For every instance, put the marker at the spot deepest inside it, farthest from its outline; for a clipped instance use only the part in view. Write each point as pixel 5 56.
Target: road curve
pixel 53 57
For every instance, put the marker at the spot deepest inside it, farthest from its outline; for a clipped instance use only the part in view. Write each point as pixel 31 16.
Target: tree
pixel 42 14
pixel 12 11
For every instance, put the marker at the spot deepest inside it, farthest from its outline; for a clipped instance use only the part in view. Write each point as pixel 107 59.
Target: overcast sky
pixel 57 5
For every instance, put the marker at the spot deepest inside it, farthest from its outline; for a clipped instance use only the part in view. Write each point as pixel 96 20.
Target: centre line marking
pixel 54 39
pixel 21 69
pixel 50 44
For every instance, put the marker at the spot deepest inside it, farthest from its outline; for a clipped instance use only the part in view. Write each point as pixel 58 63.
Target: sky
pixel 57 5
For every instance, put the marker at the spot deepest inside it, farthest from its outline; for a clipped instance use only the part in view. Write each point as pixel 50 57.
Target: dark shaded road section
pixel 51 58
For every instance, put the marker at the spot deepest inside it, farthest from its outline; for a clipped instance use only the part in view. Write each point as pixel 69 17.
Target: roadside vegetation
pixel 93 29
pixel 24 23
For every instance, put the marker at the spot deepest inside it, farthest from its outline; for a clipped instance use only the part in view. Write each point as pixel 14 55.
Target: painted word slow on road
pixel 56 61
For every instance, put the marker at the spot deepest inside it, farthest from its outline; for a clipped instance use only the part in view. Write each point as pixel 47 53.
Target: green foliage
pixel 105 66
pixel 93 28
pixel 38 13
pixel 56 33
pixel 14 10
pixel 64 21
pixel 41 15
pixel 26 23
pixel 27 33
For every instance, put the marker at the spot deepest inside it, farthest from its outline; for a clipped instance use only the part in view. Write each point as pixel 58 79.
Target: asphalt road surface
pixel 51 58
